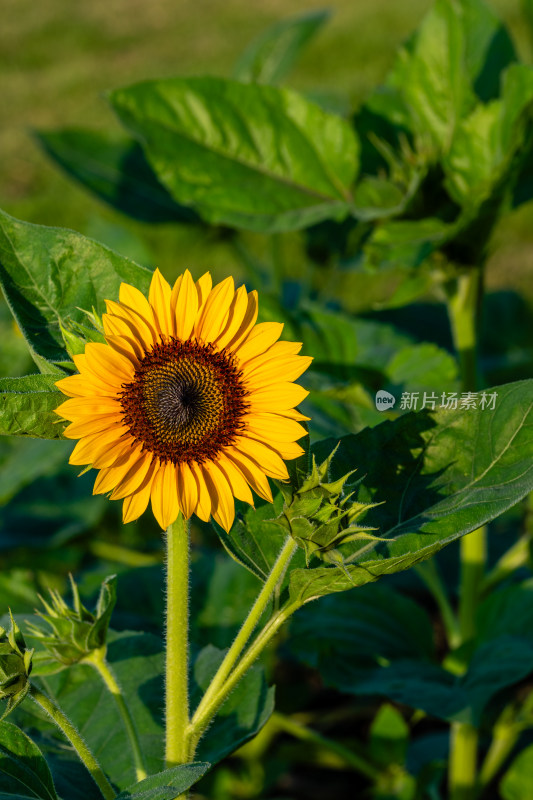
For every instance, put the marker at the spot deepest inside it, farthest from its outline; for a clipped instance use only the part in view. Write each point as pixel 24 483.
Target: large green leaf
pixel 246 155
pixel 113 167
pixel 28 405
pixel 23 769
pixel 458 51
pixel 439 474
pixel 166 785
pixel 271 55
pixel 49 274
pixel 482 158
pixel 348 636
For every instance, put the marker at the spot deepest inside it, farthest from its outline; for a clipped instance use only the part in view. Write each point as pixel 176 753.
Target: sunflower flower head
pixel 15 667
pixel 74 633
pixel 321 515
pixel 188 403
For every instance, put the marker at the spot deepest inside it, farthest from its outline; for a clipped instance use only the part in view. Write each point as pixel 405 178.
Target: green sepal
pixel 15 667
pixel 77 334
pixel 320 515
pixel 75 632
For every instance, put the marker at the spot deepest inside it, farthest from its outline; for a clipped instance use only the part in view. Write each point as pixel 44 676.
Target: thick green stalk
pixel 177 653
pixel 215 694
pixel 462 772
pixel 98 661
pixel 73 736
pixel 463 307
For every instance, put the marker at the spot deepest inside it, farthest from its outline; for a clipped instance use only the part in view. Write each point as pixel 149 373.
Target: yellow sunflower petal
pixel 237 310
pixel 222 503
pixel 108 365
pixel 288 450
pixel 159 297
pixel 214 313
pixel 135 300
pixel 269 460
pixel 81 386
pixel 187 490
pixel 251 472
pixel 132 481
pixel 114 454
pixel 291 413
pixel 277 397
pixel 137 503
pixel 81 408
pixel 93 425
pixel 272 427
pixel 125 347
pixel 116 326
pixel 250 318
pixel 186 307
pixel 203 506
pixel 141 330
pixel 236 479
pixel 109 477
pixel 260 338
pixel 203 287
pixel 88 449
pixel 165 495
pixel 288 369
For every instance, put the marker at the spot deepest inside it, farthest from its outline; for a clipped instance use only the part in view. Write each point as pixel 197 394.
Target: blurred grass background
pixel 57 59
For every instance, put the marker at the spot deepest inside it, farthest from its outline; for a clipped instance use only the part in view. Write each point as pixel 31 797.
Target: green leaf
pixel 255 540
pixel 389 736
pixel 440 474
pixel 250 156
pixel 244 712
pixel 459 50
pixel 113 167
pixel 138 663
pixel 347 636
pixel 22 766
pixel 49 274
pixel 517 783
pixel 271 55
pixel 166 785
pixel 482 158
pixel 423 368
pixel 28 405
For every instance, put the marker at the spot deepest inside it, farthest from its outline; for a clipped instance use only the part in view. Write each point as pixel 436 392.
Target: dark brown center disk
pixel 186 402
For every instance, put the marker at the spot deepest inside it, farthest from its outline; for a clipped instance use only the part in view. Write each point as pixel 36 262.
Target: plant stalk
pixel 177 635
pixel 73 736
pixel 464 302
pixel 98 660
pixel 216 692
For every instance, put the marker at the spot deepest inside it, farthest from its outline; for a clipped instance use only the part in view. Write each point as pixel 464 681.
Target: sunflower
pixel 188 404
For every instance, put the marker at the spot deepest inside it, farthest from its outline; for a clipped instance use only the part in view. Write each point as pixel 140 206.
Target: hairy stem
pixel 98 661
pixel 177 630
pixel 216 694
pixel 73 736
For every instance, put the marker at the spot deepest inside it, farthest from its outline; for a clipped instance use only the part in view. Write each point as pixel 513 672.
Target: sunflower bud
pixel 15 667
pixel 321 517
pixel 75 632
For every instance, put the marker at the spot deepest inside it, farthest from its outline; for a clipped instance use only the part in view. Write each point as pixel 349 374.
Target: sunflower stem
pixel 73 736
pixel 216 692
pixel 97 659
pixel 177 689
pixel 464 303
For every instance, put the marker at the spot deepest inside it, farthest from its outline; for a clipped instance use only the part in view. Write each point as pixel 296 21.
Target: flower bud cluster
pixel 15 667
pixel 75 632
